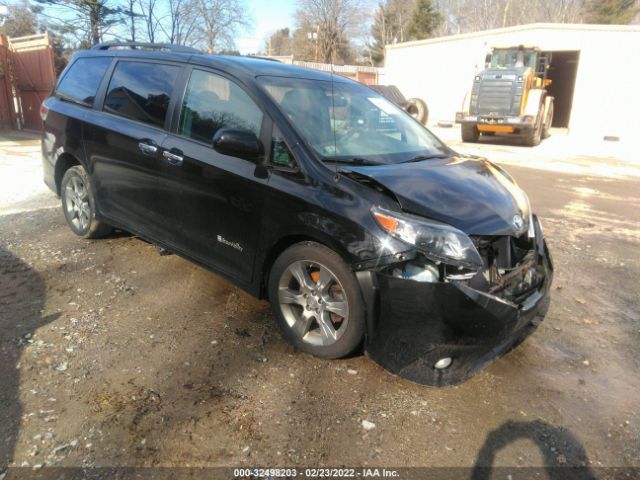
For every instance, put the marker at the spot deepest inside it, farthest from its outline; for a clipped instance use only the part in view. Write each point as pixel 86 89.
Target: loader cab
pixel 516 58
pixel 508 58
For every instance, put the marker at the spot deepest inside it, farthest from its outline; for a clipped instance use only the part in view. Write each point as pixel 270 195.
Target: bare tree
pixel 133 18
pixel 279 43
pixel 335 22
pixel 219 21
pixel 151 17
pixel 181 24
pixel 86 20
pixel 462 16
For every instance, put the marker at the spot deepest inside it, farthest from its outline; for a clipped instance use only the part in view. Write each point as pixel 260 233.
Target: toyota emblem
pixel 518 222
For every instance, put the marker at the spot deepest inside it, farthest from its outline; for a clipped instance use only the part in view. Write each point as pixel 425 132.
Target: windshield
pixel 349 122
pixel 513 57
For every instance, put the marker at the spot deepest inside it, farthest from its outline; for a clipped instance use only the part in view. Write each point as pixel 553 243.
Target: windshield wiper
pixel 353 161
pixel 420 158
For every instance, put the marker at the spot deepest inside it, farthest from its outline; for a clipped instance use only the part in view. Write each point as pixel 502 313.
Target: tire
pixel 549 120
pixel 417 108
pixel 79 206
pixel 470 133
pixel 302 311
pixel 532 137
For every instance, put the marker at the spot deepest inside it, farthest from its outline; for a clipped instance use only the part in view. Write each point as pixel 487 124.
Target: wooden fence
pixel 28 77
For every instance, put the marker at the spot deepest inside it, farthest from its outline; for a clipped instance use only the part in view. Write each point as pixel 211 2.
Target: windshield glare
pixel 343 121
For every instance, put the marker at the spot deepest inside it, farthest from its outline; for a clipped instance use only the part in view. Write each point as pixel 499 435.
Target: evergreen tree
pixel 425 20
pixel 390 25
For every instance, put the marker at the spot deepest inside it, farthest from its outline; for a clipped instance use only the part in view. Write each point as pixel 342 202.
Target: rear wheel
pixel 78 204
pixel 470 132
pixel 548 122
pixel 316 301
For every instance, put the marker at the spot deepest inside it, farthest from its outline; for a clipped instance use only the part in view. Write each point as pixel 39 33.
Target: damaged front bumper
pixel 419 324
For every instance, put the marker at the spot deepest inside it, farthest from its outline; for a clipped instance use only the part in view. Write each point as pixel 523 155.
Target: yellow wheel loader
pixel 509 96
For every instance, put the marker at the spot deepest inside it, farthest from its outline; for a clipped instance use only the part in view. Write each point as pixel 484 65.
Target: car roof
pixel 243 67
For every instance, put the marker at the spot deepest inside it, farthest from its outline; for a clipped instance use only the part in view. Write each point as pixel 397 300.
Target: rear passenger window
pixel 83 79
pixel 141 91
pixel 213 102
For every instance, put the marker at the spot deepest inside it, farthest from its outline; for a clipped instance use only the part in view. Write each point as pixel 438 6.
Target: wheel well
pixel 64 163
pixel 280 246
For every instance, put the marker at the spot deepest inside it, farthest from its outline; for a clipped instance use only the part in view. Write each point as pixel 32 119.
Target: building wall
pixel 606 98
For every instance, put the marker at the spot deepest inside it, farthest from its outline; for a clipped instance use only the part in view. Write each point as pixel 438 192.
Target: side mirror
pixel 238 143
pixel 487 60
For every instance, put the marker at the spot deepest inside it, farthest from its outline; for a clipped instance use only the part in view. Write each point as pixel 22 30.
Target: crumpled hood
pixel 471 194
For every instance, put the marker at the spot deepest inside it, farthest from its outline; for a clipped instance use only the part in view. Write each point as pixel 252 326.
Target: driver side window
pixel 212 102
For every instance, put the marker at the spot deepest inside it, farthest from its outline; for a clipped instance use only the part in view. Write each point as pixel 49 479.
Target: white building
pixel 595 72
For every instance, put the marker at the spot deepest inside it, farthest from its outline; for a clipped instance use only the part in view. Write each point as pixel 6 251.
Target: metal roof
pixel 520 28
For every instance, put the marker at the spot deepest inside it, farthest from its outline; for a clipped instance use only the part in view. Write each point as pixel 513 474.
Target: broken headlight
pixel 437 241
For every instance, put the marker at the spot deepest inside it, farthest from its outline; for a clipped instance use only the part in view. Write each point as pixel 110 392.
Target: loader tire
pixel 548 122
pixel 532 137
pixel 470 133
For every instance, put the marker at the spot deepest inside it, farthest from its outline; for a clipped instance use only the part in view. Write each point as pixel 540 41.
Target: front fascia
pixel 419 323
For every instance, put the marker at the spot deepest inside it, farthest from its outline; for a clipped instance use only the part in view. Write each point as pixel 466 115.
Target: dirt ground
pixel 112 355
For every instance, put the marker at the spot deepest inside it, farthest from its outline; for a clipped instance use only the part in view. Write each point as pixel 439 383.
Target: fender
pixel 466 103
pixel 534 103
pixel 548 100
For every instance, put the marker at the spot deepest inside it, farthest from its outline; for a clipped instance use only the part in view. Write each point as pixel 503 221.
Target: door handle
pixel 172 158
pixel 147 148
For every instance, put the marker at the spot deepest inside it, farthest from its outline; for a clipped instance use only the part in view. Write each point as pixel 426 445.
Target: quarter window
pixel 212 102
pixel 83 79
pixel 280 154
pixel 141 91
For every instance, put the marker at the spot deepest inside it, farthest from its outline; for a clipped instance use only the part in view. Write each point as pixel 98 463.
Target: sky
pixel 268 16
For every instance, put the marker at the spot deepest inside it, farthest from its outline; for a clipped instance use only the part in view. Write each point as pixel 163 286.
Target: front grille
pixel 495 96
pixel 512 268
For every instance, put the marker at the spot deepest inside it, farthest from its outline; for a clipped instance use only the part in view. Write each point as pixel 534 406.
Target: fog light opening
pixel 443 363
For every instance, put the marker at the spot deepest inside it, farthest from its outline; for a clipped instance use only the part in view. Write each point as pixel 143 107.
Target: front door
pixel 217 199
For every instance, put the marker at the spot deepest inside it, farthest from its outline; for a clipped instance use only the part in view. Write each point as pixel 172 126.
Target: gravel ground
pixel 112 355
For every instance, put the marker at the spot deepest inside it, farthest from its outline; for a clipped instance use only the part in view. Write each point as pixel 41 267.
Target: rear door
pixel 122 138
pixel 216 200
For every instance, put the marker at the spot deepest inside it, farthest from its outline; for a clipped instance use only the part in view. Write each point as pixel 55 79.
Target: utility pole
pixel 314 37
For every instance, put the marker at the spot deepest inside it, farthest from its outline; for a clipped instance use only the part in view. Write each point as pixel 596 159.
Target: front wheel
pixel 316 301
pixel 79 206
pixel 470 132
pixel 532 137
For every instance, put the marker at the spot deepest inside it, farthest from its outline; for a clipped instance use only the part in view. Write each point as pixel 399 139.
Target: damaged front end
pixel 437 322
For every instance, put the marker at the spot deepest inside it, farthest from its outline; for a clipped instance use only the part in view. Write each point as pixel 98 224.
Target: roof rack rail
pixel 145 46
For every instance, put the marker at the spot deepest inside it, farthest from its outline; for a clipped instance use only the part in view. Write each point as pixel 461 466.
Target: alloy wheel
pixel 313 303
pixel 77 203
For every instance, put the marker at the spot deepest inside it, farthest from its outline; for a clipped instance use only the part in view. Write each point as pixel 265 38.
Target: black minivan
pixel 307 189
